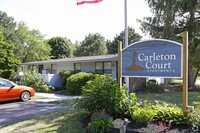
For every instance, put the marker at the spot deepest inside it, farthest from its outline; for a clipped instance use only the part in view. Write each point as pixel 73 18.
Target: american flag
pixel 80 2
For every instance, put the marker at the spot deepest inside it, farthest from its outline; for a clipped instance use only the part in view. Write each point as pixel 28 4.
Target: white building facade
pixel 50 69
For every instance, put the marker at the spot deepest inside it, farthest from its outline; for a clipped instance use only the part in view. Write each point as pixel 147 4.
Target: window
pixel 107 67
pixel 40 68
pixel 77 67
pixel 31 67
pixel 103 67
pixel 99 67
pixel 53 68
pixel 4 83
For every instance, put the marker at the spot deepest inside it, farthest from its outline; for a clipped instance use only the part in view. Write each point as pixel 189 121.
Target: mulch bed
pixel 147 128
pixel 156 128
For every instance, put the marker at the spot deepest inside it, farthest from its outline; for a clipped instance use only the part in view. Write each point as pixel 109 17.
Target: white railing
pixel 52 79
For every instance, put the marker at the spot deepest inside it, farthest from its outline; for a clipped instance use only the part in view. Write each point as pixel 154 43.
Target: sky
pixel 66 19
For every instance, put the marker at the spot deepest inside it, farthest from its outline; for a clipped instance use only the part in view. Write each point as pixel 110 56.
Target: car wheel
pixel 25 96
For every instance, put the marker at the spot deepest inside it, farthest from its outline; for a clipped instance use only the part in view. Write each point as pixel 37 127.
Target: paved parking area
pixel 16 111
pixel 53 97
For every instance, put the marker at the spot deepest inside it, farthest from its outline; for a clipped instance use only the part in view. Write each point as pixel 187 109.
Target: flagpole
pixel 126 36
pixel 126 25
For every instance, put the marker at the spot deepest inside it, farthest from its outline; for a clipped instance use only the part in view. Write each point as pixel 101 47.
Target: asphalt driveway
pixel 16 111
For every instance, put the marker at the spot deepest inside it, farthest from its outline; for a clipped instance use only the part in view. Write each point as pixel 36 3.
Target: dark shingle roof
pixel 77 59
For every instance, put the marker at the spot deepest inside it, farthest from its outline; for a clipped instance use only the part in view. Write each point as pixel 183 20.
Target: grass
pixel 68 121
pixel 172 97
pixel 177 81
pixel 180 81
pixel 69 102
pixel 37 97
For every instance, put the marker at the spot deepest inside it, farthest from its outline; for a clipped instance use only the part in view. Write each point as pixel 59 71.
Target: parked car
pixel 11 91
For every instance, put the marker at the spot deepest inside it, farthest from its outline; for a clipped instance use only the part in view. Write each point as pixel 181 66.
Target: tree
pixel 7 25
pixel 113 45
pixel 36 47
pixel 170 19
pixel 75 48
pixel 61 47
pixel 20 40
pixel 8 62
pixel 94 44
pixel 30 45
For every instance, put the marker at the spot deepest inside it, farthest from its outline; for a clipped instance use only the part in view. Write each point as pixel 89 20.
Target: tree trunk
pixel 196 74
pixel 190 75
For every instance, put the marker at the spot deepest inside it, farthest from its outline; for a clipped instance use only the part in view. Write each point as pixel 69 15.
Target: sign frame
pixel 145 42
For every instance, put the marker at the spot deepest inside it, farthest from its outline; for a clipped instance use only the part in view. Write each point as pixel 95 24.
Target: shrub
pixel 77 81
pixel 30 78
pixel 142 115
pixel 169 113
pixel 100 123
pixel 6 73
pixel 150 111
pixel 33 79
pixel 153 86
pixel 41 87
pixel 65 74
pixel 103 94
pixel 193 119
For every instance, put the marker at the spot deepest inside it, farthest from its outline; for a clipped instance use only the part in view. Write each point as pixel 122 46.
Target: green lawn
pixel 177 81
pixel 37 97
pixel 68 121
pixel 172 97
pixel 180 81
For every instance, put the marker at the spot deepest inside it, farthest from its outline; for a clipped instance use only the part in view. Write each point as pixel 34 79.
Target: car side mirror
pixel 12 86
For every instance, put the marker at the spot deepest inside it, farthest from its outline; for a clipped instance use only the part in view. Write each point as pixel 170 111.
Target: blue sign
pixel 152 58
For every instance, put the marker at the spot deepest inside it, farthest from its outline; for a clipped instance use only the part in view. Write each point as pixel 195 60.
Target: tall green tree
pixel 132 37
pixel 171 18
pixel 75 48
pixel 94 44
pixel 36 47
pixel 20 40
pixel 30 45
pixel 60 47
pixel 8 62
pixel 7 26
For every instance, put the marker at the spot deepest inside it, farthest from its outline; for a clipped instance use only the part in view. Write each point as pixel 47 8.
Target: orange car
pixel 12 91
